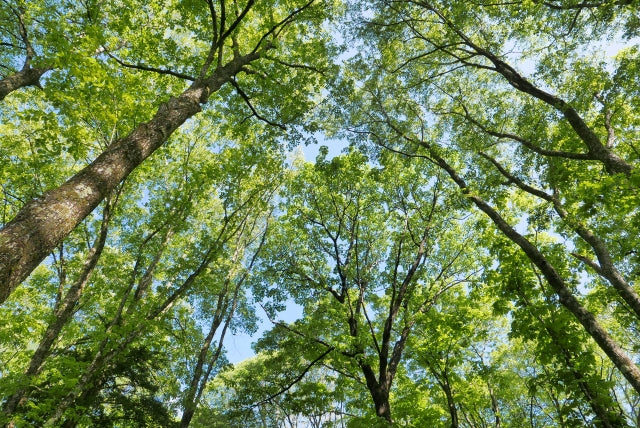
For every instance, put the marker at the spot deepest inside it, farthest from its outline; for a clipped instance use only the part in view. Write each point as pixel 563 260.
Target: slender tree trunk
pixel 451 404
pixel 609 346
pixel 105 356
pixel 442 378
pixel 190 402
pixel 605 417
pixel 42 224
pixel 495 408
pixel 617 355
pixel 23 78
pixel 606 267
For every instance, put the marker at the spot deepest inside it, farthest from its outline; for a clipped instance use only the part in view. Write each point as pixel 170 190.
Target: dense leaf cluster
pixel 469 260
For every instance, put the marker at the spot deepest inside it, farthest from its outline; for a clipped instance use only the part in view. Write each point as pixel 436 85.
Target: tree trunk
pixel 42 224
pixel 190 401
pixel 21 79
pixel 379 392
pixel 609 346
pixel 451 404
pixel 380 397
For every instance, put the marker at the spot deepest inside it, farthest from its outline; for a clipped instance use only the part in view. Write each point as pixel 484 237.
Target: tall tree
pixel 450 95
pixel 252 40
pixel 365 251
pixel 162 261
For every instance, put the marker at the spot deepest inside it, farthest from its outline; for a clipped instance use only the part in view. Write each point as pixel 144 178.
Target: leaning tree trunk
pixel 42 224
pixel 609 346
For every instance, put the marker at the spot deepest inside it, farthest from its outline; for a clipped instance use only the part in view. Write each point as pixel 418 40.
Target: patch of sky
pixel 310 151
pixel 239 344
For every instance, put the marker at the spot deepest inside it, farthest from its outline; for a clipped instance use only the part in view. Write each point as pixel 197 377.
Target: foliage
pixel 470 260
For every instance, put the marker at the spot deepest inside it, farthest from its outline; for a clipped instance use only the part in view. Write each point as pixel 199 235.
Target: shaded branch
pixel 143 67
pixel 247 101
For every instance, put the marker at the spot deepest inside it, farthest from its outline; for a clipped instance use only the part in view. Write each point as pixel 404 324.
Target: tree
pixel 158 274
pixel 252 393
pixel 365 251
pixel 231 42
pixel 451 96
pixel 469 261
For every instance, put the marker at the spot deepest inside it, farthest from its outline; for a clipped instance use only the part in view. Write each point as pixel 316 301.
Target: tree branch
pixel 143 67
pixel 247 101
pixel 296 380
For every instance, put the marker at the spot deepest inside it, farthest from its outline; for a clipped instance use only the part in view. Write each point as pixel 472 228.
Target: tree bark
pixel 21 79
pixel 42 224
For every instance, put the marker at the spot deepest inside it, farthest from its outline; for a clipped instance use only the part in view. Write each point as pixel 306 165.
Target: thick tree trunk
pixel 21 79
pixel 380 397
pixel 379 391
pixel 42 224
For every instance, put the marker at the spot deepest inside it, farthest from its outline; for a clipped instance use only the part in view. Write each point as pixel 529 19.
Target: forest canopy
pixel 470 259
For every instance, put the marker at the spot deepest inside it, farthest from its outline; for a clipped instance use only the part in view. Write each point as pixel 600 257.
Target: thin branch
pixel 300 66
pixel 373 333
pixel 274 30
pixel 235 23
pixel 247 100
pixel 526 143
pixel 148 68
pixel 214 40
pixel 296 380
